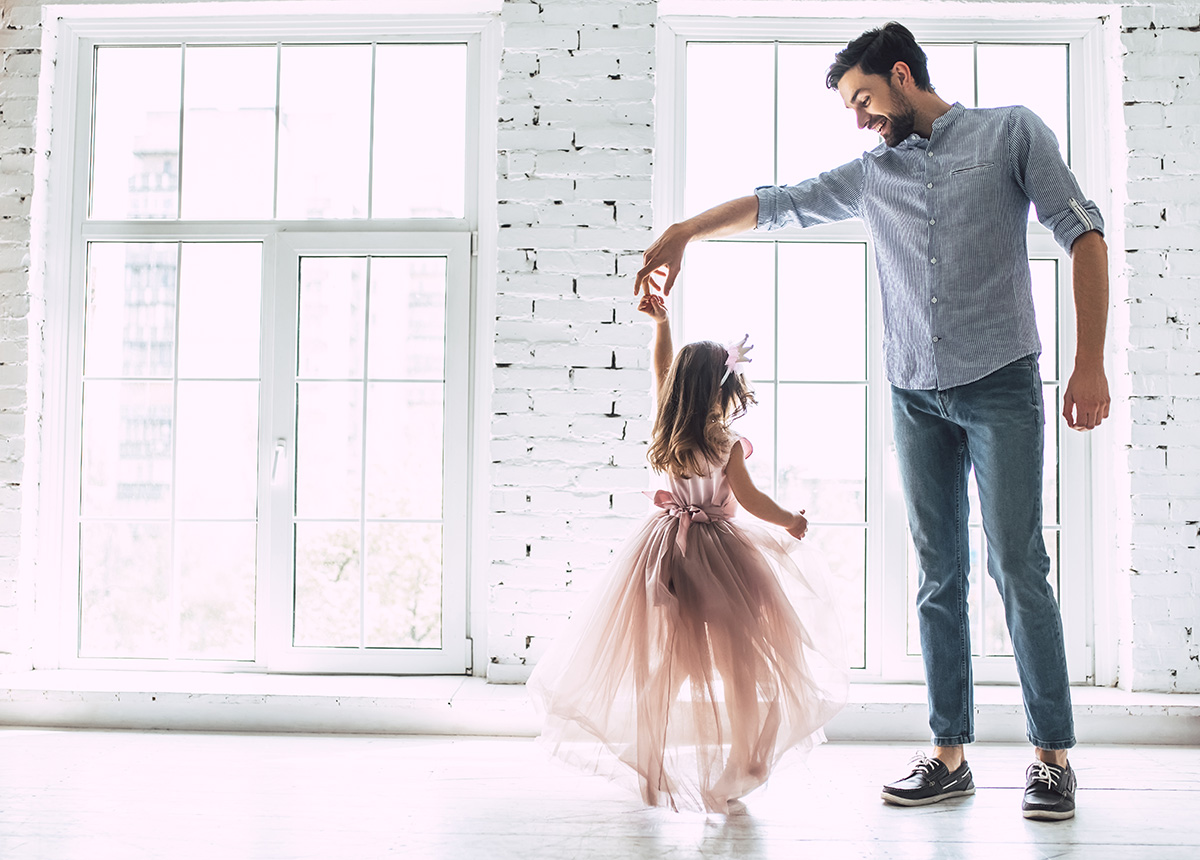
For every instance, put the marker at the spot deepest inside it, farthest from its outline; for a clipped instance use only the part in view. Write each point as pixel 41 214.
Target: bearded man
pixel 946 200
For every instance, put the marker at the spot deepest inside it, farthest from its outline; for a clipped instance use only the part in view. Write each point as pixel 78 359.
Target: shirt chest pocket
pixel 972 170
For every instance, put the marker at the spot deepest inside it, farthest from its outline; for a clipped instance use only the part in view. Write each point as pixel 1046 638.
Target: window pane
pixel 805 104
pixel 730 122
pixel 729 292
pixel 1045 303
pixel 219 296
pixel 404 450
pixel 952 72
pixel 125 586
pixel 333 302
pixel 328 585
pixel 130 317
pixel 822 451
pixel 216 590
pixel 135 157
pixel 328 449
pixel 229 132
pixel 844 550
pixel 1050 462
pixel 982 598
pixel 216 467
pixel 408 318
pixel 1031 75
pixel 324 131
pixel 127 449
pixel 758 427
pixel 420 131
pixel 404 586
pixel 822 311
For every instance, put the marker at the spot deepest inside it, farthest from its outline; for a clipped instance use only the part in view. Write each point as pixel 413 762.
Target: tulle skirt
pixel 688 677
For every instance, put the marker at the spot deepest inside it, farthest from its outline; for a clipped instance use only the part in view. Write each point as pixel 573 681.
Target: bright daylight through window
pixel 262 415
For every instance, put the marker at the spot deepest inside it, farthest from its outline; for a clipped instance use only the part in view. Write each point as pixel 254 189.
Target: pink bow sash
pixel 686 514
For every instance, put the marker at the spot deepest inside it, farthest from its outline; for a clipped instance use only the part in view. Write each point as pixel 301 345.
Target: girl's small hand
pixel 652 304
pixel 799 526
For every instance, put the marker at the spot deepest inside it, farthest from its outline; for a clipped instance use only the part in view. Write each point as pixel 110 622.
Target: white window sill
pixel 194 701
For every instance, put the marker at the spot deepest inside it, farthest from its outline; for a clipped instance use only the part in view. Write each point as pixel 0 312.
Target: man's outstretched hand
pixel 662 262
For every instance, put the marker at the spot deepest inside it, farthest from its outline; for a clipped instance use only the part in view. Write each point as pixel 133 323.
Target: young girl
pixel 691 673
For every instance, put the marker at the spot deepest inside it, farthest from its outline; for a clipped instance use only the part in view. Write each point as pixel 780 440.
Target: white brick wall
pixel 1157 334
pixel 20 60
pixel 571 390
pixel 571 404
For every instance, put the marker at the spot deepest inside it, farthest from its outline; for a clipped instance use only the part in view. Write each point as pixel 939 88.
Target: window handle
pixel 280 454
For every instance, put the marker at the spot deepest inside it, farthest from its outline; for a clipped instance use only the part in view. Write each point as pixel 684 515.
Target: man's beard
pixel 901 124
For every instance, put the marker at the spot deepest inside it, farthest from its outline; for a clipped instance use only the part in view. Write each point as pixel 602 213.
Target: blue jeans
pixel 996 425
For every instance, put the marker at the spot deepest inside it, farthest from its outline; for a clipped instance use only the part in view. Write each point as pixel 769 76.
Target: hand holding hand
pixel 652 304
pixel 798 527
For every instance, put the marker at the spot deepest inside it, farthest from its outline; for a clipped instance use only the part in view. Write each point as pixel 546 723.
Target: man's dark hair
pixel 876 51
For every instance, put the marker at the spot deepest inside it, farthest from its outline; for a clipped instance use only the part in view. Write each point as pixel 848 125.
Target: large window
pixel 265 322
pixel 751 108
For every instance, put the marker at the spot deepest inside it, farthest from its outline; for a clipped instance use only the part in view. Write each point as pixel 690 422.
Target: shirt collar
pixel 941 124
pixel 949 117
pixel 915 141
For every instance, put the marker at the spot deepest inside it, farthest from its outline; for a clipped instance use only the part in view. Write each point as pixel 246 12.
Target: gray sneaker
pixel 930 782
pixel 1049 792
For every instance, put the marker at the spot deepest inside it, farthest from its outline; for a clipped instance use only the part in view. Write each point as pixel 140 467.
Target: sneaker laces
pixel 1042 772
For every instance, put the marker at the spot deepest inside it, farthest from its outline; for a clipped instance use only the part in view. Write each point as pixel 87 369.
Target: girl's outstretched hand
pixel 652 305
pixel 799 526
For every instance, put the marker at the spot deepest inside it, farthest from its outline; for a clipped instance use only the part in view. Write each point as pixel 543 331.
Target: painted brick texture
pixel 572 400
pixel 571 403
pixel 1158 338
pixel 20 61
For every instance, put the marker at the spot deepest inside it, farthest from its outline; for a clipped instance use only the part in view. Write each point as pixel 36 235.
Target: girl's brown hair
pixel 694 408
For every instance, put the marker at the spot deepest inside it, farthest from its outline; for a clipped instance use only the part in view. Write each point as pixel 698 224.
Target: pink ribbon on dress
pixel 686 514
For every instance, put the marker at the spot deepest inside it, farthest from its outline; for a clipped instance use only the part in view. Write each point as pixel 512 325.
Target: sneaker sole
pixel 897 800
pixel 1047 814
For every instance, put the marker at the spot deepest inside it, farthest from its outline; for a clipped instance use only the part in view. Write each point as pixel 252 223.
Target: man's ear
pixel 901 73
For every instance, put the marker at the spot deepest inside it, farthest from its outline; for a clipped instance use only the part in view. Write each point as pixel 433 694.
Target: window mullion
pixel 278 127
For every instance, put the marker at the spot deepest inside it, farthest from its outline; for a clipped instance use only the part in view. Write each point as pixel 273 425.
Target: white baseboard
pixel 453 705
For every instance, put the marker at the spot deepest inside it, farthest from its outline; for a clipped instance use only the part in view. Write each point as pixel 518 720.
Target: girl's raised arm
pixel 755 501
pixel 663 351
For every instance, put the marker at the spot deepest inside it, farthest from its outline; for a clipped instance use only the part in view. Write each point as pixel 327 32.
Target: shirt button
pixel 932 221
pixel 934 300
pixel 930 185
pixel 929 154
pixel 936 338
pixel 933 259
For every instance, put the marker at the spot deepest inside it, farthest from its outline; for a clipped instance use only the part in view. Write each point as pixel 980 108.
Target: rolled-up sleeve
pixel 835 195
pixel 1038 167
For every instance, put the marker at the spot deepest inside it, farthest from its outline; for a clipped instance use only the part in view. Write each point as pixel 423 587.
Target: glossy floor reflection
pixel 92 795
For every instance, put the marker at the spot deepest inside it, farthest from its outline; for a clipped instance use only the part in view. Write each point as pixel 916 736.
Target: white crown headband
pixel 736 360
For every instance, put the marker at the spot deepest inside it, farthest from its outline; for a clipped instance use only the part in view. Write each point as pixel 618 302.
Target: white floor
pixel 94 795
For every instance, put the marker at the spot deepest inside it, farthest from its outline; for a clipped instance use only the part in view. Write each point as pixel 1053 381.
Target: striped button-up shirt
pixel 948 217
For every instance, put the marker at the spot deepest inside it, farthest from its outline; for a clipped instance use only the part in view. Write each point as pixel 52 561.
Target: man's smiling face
pixel 878 104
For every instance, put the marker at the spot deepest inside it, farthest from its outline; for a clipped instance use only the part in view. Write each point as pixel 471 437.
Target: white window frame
pixel 71 36
pixel 1082 543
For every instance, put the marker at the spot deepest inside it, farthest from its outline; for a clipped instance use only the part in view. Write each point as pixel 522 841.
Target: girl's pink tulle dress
pixel 710 651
